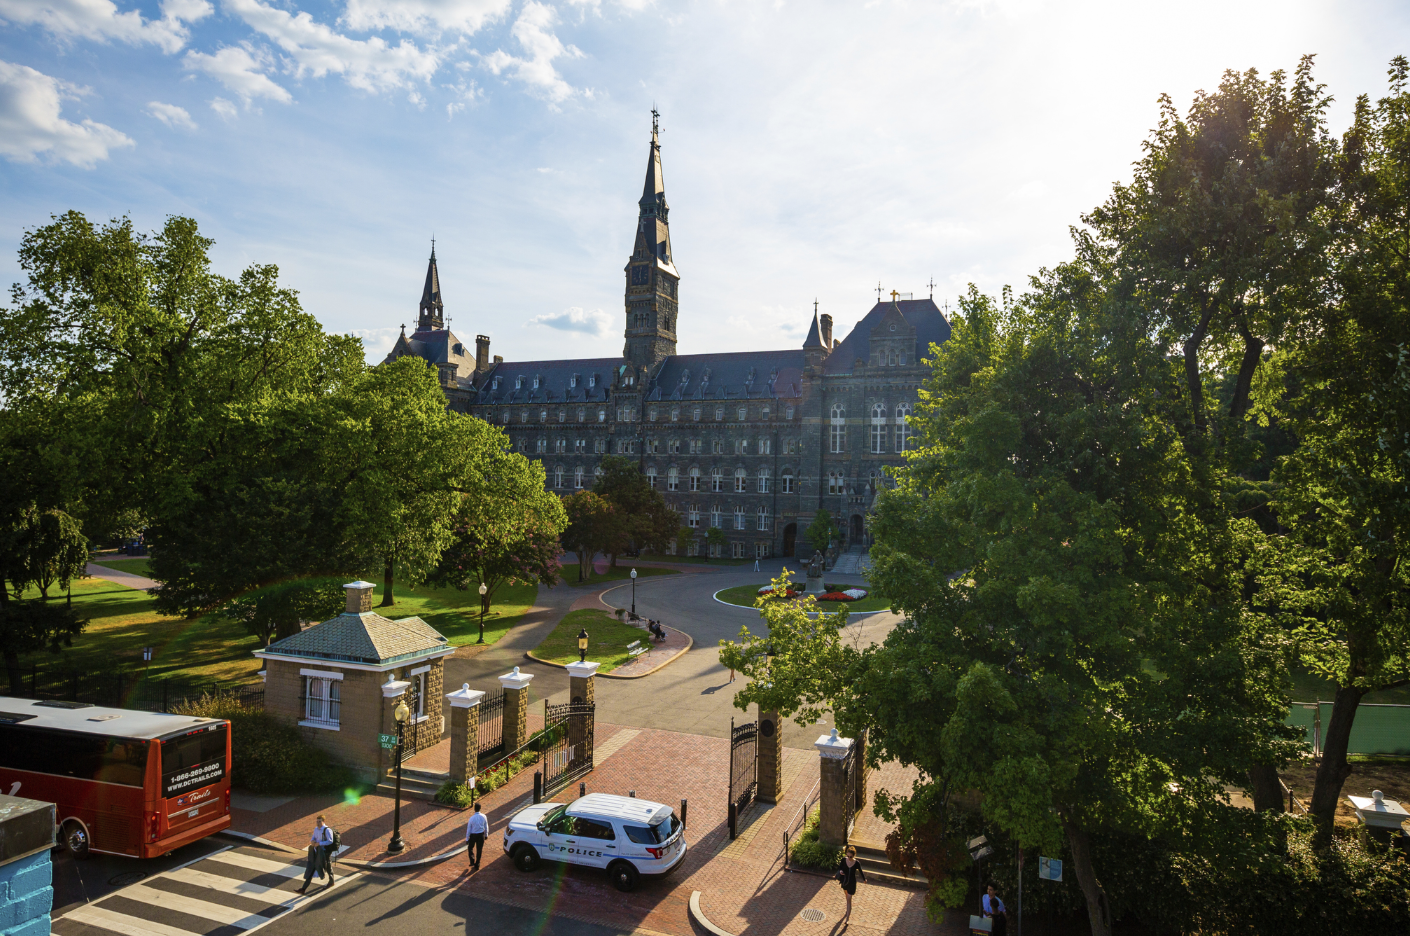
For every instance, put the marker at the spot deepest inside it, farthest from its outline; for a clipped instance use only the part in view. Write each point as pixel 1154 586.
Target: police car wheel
pixel 624 876
pixel 525 857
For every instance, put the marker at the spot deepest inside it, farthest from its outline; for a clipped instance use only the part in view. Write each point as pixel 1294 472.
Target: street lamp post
pixel 484 600
pixel 400 713
pixel 582 645
pixel 633 593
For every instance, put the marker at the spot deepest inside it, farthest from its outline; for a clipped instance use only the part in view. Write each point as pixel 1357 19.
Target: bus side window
pixel 123 762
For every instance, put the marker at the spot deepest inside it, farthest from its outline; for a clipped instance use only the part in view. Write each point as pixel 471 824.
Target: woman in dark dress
pixel 848 870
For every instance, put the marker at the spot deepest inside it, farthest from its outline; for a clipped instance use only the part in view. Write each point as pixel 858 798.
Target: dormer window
pixel 494 385
pixel 592 380
pixel 573 381
pixel 518 383
pixel 536 383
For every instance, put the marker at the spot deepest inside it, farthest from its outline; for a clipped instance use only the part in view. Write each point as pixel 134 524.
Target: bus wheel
pixel 75 839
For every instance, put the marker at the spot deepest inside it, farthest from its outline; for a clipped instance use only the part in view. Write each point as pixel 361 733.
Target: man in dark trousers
pixel 475 831
pixel 320 843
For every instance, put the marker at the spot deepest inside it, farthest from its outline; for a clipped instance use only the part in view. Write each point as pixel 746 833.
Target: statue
pixel 815 565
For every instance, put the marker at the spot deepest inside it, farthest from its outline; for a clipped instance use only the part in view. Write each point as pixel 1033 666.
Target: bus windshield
pixel 193 760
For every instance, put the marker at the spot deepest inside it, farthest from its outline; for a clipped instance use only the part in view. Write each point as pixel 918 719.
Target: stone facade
pixel 751 442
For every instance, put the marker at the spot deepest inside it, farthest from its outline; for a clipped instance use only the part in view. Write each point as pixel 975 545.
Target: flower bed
pixel 851 594
pixel 794 590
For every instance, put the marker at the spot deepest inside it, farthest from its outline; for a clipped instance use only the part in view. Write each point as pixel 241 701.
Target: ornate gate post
pixel 464 732
pixel 516 708
pixel 770 757
pixel 836 792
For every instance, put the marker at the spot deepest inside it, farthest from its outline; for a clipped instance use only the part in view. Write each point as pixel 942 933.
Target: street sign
pixel 387 740
pixel 980 848
pixel 1049 869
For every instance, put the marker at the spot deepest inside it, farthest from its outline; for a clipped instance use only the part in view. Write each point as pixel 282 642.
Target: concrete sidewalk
pixel 118 577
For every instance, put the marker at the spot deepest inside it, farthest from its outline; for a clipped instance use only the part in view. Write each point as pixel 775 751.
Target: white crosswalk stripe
pixel 229 892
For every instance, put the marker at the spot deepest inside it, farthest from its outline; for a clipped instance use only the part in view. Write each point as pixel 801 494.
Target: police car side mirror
pixel 540 826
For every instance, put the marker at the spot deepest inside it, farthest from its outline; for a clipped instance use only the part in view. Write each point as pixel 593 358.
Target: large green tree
pixel 648 523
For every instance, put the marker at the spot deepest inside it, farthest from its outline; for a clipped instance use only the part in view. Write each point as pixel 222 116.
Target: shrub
pixel 495 777
pixel 267 754
pixel 807 851
pixel 459 795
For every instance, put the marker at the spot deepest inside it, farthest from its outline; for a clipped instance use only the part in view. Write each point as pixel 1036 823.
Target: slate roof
pixel 555 381
pixel 930 324
pixel 738 375
pixel 361 638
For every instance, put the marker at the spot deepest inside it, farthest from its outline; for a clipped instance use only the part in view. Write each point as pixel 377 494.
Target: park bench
pixel 636 649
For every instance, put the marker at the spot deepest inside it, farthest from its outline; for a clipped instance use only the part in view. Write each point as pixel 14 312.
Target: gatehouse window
pixel 788 413
pixel 321 700
pixel 764 413
pixel 542 447
pixel 518 382
pixel 506 417
pixel 536 383
pixel 763 446
pixel 693 517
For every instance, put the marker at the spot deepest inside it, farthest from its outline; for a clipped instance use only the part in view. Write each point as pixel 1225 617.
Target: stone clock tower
pixel 652 280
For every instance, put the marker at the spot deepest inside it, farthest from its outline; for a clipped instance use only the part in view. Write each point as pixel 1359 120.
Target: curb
pixel 850 613
pixel 365 865
pixel 699 917
pixel 689 642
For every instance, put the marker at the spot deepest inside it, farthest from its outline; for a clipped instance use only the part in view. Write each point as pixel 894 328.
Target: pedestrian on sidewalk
pixel 848 870
pixel 475 831
pixel 319 844
pixel 994 909
pixel 756 563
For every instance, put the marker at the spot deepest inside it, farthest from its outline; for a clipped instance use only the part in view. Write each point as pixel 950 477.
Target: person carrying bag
pixel 320 844
pixel 849 869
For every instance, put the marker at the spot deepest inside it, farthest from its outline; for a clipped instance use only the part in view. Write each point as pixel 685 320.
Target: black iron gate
pixel 743 770
pixel 491 728
pixel 411 730
pixel 566 743
pixel 849 788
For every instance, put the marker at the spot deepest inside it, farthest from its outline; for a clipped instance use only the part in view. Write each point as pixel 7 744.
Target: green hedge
pixel 267 754
pixel 807 851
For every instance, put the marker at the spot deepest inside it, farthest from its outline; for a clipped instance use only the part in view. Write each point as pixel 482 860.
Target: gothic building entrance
pixel 790 536
pixel 857 531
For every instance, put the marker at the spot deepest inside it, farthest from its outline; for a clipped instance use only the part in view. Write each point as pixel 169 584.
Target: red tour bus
pixel 124 782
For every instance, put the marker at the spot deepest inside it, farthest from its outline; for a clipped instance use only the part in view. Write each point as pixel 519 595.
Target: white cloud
pixel 1028 191
pixel 100 20
pixel 423 16
pixel 532 32
pixel 465 89
pixel 30 125
pixel 171 115
pixel 224 108
pixel 592 322
pixel 241 69
pixel 315 49
pixel 376 342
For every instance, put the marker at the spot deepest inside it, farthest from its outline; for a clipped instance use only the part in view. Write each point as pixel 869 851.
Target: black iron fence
pixel 491 730
pixel 743 771
pixel 795 826
pixel 132 689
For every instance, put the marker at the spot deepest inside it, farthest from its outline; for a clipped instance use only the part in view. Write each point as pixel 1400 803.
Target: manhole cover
pixel 126 878
pixel 813 915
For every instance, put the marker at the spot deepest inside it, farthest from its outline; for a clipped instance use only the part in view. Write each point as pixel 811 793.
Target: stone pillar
pixel 581 690
pixel 834 798
pixel 392 691
pixel 770 757
pixel 464 732
pixel 26 876
pixel 516 708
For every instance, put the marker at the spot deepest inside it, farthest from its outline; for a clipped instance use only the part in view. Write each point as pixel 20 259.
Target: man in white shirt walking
pixel 320 843
pixel 475 831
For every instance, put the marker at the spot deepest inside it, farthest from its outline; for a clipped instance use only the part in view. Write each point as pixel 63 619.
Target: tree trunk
pixel 388 575
pixel 1267 791
pixel 1333 771
pixel 1192 375
pixel 1098 913
pixel 1253 354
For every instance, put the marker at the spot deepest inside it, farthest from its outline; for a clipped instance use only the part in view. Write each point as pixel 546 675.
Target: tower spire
pixel 651 299
pixel 432 311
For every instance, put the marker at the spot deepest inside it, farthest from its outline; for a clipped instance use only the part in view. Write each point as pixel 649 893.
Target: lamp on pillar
pixel 582 645
pixel 484 602
pixel 633 593
pixel 400 713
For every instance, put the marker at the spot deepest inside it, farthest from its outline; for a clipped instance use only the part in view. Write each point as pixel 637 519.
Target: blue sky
pixel 811 149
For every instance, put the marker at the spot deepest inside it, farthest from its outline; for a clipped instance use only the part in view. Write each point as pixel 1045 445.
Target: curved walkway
pixel 118 577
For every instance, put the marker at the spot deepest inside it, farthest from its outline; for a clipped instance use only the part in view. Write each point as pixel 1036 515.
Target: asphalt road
pixel 396 909
pixel 692 694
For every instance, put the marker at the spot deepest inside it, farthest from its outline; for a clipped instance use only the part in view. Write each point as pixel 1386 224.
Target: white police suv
pixel 629 837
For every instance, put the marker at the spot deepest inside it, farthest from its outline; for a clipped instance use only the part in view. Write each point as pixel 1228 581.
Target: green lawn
pixel 623 572
pixel 607 639
pixel 745 595
pixel 1310 688
pixel 138 566
pixel 456 613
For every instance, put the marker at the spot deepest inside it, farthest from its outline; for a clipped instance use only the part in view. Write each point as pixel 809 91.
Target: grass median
pixel 608 639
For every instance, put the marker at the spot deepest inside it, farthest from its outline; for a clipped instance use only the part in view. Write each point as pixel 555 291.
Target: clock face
pixel 639 275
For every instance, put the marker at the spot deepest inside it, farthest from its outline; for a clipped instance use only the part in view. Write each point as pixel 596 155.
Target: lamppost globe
pixel 401 712
pixel 582 645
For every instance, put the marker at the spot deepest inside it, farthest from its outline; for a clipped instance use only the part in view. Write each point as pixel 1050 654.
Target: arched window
pixel 523 416
pixel 839 428
pixel 582 414
pixel 602 414
pixel 742 413
pixel 541 447
pixel 651 477
pixel 901 359
pixel 763 481
pixel 762 520
pixel 578 477
pixel 558 477
pixel 562 415
pixel 695 414
pixel 717 480
pixel 597 474
pixel 764 413
pixel 543 415
pixel 651 414
pixel 741 480
pixel 673 479
pixel 739 517
pixel 675 414
pixel 715 515
pixel 695 479
pixel 506 417
pixel 903 427
pixel 719 414
pixel 788 481
pixel 878 428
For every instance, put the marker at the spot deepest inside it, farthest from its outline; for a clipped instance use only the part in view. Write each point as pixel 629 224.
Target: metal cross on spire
pixel 878 290
pixel 433 245
pixel 815 305
pixel 655 119
pixel 931 284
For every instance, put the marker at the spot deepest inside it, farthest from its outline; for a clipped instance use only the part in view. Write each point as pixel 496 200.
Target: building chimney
pixel 826 321
pixel 359 596
pixel 499 359
pixel 482 353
